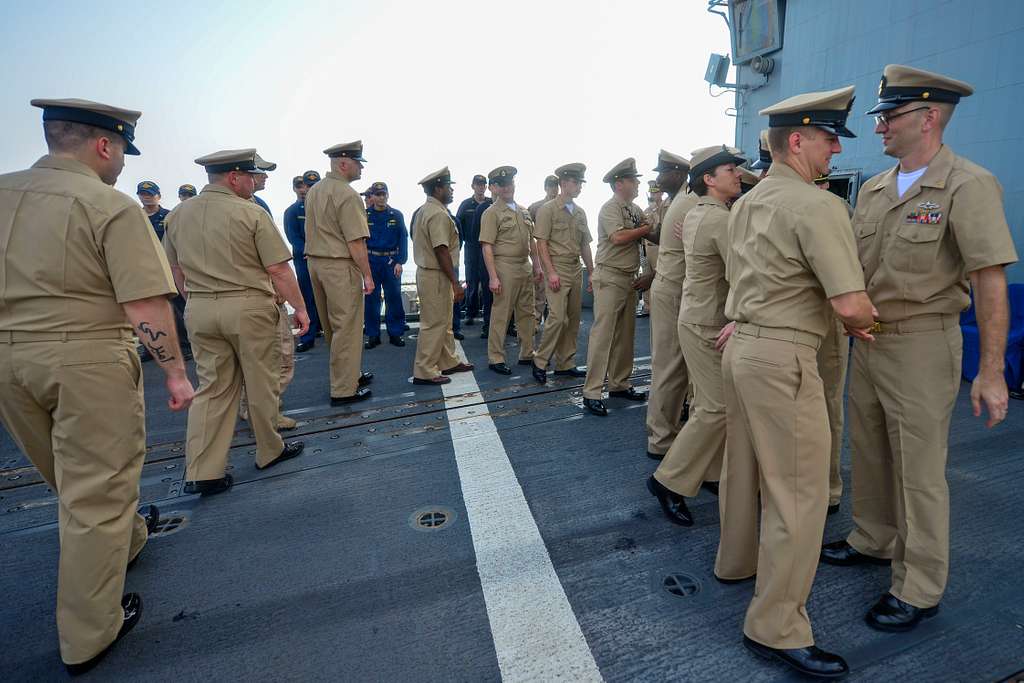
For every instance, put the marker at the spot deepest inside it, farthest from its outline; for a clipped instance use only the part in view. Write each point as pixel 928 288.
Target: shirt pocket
pixel 916 247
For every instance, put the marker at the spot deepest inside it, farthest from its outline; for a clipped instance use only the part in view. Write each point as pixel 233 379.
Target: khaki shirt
pixel 790 249
pixel 655 215
pixel 535 207
pixel 918 250
pixel 671 260
pixel 705 243
pixel 335 216
pixel 566 233
pixel 617 215
pixel 72 250
pixel 433 226
pixel 508 230
pixel 223 243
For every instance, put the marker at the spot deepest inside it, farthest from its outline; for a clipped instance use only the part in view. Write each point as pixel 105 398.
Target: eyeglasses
pixel 888 118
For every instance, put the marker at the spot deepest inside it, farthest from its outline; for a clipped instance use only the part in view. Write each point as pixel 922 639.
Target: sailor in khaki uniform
pixel 539 286
pixel 506 239
pixel 696 453
pixel 229 259
pixel 79 260
pixel 655 212
pixel 339 268
pixel 791 254
pixel 928 231
pixel 435 249
pixel 669 379
pixel 620 227
pixel 563 238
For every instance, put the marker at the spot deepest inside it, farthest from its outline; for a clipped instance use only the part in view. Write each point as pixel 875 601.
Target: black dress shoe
pixel 484 333
pixel 672 504
pixel 811 661
pixel 833 509
pixel 302 347
pixel 361 394
pixel 655 456
pixel 843 554
pixel 290 451
pixel 525 361
pixel 710 486
pixel 572 372
pixel 209 487
pixel 630 394
pixel 893 615
pixel 540 374
pixel 596 406
pixel 372 342
pixel 500 368
pixel 152 518
pixel 131 603
pixel 365 378
pixel 396 341
pixel 461 367
pixel 458 336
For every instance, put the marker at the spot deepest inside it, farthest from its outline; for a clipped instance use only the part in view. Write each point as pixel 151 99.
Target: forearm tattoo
pixel 148 336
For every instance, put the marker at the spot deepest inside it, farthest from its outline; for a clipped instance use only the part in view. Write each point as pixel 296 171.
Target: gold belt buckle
pixel 876 328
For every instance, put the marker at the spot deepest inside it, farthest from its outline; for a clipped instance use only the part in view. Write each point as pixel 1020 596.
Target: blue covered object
pixel 1014 343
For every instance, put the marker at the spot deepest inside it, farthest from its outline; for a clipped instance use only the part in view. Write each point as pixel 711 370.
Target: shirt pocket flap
pixel 919 233
pixel 866 228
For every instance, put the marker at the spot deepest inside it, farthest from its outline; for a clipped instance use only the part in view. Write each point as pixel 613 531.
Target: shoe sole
pixel 766 653
pixel 925 614
pixel 426 382
pixel 869 560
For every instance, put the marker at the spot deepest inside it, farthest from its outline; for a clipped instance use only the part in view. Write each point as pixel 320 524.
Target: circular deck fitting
pixel 431 518
pixel 681 585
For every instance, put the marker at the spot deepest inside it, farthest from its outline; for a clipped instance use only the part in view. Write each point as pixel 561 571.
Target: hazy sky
pixel 470 85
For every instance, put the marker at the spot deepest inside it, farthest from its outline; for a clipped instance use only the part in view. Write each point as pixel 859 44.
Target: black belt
pixel 374 252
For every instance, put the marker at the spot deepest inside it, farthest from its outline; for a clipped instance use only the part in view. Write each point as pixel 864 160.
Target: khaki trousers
pixel 558 341
pixel 778 440
pixel 540 300
pixel 338 290
pixel 902 391
pixel 284 332
pixel 517 294
pixel 696 453
pixel 75 408
pixel 610 351
pixel 651 250
pixel 669 378
pixel 435 344
pixel 234 339
pixel 833 359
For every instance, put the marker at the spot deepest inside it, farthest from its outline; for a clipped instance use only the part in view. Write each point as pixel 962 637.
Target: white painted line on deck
pixel 536 634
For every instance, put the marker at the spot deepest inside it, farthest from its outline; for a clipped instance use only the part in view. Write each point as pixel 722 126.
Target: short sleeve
pixel 542 226
pixel 489 226
pixel 826 240
pixel 610 218
pixel 438 230
pixel 979 226
pixel 352 218
pixel 269 244
pixel 134 259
